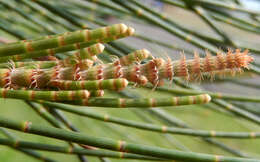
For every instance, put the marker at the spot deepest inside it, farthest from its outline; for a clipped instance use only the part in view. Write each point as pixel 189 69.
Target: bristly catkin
pixel 194 68
pixel 153 71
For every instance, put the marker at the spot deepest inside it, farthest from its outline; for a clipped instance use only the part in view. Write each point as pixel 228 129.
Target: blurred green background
pixel 198 117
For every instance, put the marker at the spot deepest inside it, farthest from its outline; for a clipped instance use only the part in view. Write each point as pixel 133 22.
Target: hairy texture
pixel 194 68
pixel 154 71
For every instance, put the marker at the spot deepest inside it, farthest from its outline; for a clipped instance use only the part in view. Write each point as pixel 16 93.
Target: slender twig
pixel 121 146
pixel 12 137
pixel 152 127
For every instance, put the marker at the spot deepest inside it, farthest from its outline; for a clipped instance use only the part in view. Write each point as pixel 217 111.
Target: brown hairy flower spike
pixel 166 70
pixel 232 61
pixel 180 67
pixel 142 80
pixel 159 62
pixel 132 73
pixel 220 61
pixel 150 71
pixel 209 64
pixel 242 59
pixel 196 67
pixel 154 71
pixel 6 78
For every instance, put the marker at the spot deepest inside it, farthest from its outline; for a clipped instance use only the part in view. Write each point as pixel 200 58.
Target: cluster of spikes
pixel 82 77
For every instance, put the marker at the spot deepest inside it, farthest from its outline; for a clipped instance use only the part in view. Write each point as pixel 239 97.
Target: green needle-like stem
pixel 144 102
pixel 121 146
pixel 151 127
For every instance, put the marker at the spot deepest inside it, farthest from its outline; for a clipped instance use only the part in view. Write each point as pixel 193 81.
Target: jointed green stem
pixel 136 56
pixel 161 23
pixel 8 5
pixel 31 153
pixel 206 17
pixel 63 40
pixel 151 127
pixel 111 84
pixel 226 6
pixel 30 64
pixel 144 102
pixel 121 146
pixel 237 110
pixel 215 95
pixel 46 64
pixel 48 117
pixel 173 121
pixel 69 47
pixel 41 110
pixel 60 12
pixel 70 150
pixel 86 53
pixel 44 95
pixel 61 117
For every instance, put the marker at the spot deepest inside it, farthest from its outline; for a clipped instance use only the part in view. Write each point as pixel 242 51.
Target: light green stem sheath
pixel 215 95
pixel 111 84
pixel 83 64
pixel 151 127
pixel 97 93
pixel 136 56
pixel 63 40
pixel 4 77
pixel 86 53
pixel 121 146
pixel 70 47
pixel 144 102
pixel 70 73
pixel 103 71
pixel 44 95
pixel 46 64
pixel 71 150
pixel 30 64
